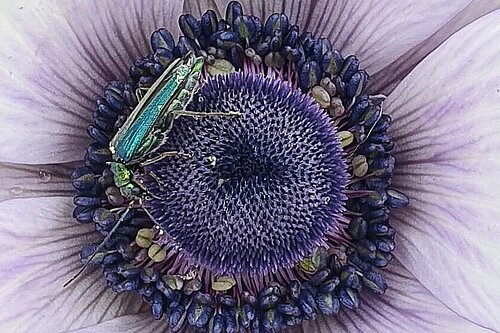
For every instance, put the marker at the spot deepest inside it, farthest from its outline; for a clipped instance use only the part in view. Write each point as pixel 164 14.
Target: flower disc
pixel 267 206
pixel 259 190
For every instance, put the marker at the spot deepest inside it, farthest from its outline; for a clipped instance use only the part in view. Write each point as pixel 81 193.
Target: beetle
pixel 147 127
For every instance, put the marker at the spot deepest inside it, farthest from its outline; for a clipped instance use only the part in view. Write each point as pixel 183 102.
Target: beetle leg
pixel 196 114
pixel 157 180
pixel 146 194
pixel 140 92
pixel 164 155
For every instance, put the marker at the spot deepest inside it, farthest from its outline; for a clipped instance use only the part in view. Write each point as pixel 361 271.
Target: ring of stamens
pixel 141 256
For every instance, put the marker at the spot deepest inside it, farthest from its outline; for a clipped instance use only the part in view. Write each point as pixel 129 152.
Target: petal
pixel 28 181
pixel 139 323
pixel 446 120
pixel 378 32
pixel 407 306
pixel 40 245
pixel 55 59
pixel 143 323
pixel 386 79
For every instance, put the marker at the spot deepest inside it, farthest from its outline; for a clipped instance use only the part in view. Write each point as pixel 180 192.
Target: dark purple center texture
pixel 260 190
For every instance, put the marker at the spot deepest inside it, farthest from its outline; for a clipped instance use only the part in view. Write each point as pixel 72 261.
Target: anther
pixel 144 238
pixel 156 253
pixel 316 278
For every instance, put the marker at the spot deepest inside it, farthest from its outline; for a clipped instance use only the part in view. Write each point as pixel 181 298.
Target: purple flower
pixel 437 62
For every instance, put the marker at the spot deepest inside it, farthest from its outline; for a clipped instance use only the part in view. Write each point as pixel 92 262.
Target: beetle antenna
pixel 99 248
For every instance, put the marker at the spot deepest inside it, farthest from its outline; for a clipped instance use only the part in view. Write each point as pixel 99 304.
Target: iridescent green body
pixel 151 120
pixel 144 128
pixel 123 179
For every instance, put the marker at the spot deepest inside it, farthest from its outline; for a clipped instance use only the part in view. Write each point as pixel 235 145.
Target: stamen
pixel 270 217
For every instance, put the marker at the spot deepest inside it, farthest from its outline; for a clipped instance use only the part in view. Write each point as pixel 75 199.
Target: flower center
pixel 259 191
pixel 260 215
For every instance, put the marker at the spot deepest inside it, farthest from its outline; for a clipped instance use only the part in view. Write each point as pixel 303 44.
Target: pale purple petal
pixel 28 181
pixel 407 306
pixel 378 32
pixel 387 78
pixel 446 128
pixel 143 323
pixel 40 245
pixel 139 323
pixel 55 59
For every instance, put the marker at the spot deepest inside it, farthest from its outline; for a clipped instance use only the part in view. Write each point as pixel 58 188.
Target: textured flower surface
pixel 259 222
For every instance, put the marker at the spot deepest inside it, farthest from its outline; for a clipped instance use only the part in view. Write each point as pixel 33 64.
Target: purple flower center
pixel 265 219
pixel 260 190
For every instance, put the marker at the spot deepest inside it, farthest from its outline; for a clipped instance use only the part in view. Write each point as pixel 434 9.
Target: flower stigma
pixel 257 200
pixel 261 198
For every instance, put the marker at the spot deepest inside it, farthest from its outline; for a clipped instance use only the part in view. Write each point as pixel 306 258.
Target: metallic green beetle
pixel 149 123
pixel 147 127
